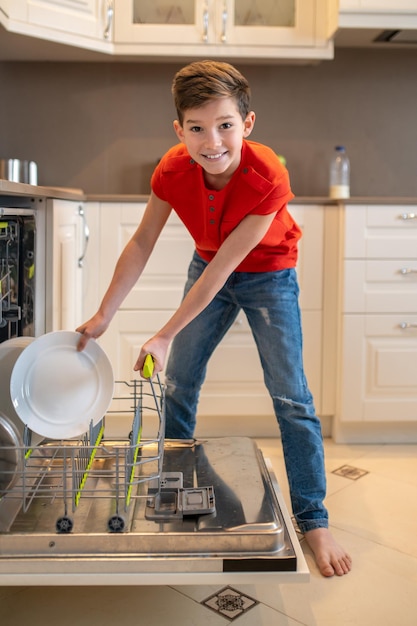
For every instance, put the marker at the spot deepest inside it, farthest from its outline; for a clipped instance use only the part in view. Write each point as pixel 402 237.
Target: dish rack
pixel 93 468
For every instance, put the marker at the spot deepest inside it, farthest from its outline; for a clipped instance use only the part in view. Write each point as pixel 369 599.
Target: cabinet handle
pixel 81 213
pixel 407 270
pixel 408 216
pixel 110 14
pixel 407 325
pixel 205 23
pixel 223 37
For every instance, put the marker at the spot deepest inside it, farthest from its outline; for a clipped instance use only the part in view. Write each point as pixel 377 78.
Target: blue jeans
pixel 270 302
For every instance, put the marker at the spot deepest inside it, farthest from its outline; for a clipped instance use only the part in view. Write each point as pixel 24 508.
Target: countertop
pixel 8 188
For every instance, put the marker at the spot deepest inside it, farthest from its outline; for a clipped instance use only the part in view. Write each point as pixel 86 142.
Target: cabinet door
pixel 84 18
pixel 379 376
pixel 162 282
pixel 65 224
pixel 310 218
pixel 153 21
pixel 383 14
pixel 266 23
pixel 379 6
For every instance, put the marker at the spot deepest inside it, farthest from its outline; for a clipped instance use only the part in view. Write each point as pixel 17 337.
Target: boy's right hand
pixel 92 329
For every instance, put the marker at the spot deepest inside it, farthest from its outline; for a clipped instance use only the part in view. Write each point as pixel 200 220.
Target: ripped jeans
pixel 270 302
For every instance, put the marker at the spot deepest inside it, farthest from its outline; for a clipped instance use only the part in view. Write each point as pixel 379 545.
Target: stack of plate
pixel 52 388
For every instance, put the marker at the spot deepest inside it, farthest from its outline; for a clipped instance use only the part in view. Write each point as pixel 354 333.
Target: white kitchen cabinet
pixel 232 28
pixel 378 6
pixel 293 29
pixel 66 247
pixel 83 23
pixel 234 385
pixel 387 14
pixel 379 315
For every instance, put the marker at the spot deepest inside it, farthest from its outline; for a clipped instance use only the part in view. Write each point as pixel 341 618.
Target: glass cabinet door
pixel 267 22
pixel 163 12
pixel 162 21
pixel 273 13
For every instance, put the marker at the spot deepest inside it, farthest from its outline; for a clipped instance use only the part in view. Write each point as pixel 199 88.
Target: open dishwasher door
pixel 243 533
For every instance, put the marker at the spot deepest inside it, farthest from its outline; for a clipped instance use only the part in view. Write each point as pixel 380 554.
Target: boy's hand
pixel 157 349
pixel 92 329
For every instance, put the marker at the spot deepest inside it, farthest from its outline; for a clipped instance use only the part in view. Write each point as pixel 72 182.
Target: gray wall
pixel 102 126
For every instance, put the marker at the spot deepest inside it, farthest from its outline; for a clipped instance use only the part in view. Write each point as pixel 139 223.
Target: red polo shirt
pixel 259 186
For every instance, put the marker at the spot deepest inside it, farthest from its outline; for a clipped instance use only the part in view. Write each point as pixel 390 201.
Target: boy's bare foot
pixel 330 557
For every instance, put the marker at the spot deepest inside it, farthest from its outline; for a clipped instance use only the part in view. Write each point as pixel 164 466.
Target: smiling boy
pixel 232 195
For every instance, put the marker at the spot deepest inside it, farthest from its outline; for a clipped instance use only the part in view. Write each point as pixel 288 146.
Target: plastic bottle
pixel 339 174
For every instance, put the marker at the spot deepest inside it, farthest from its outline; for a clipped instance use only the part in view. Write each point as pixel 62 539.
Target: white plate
pixel 58 391
pixel 10 350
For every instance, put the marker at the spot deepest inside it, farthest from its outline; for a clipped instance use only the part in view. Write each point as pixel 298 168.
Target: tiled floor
pixel 372 499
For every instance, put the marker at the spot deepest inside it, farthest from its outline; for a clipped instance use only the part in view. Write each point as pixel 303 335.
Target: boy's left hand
pixel 155 347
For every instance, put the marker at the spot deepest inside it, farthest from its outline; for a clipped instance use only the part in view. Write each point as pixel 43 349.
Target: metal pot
pixel 19 171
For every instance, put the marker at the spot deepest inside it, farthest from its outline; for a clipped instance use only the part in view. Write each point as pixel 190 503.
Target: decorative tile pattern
pixel 230 603
pixel 348 471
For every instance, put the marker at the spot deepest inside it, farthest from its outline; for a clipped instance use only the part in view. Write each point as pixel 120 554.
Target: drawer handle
pixel 408 270
pixel 408 216
pixel 407 325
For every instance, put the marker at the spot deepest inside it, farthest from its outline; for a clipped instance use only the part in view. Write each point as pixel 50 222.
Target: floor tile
pixel 398 462
pixel 87 606
pixel 379 591
pixel 230 603
pixel 380 509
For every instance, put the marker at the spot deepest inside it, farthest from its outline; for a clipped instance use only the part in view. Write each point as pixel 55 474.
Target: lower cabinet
pixel 377 396
pixel 234 385
pixel 379 369
pixel 66 247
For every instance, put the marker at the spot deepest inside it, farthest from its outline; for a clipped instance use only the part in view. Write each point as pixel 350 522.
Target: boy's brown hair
pixel 199 82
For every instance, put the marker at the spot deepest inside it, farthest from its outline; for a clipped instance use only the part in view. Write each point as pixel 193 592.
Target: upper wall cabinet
pixel 379 6
pixel 169 29
pixel 378 14
pixel 84 23
pixel 232 28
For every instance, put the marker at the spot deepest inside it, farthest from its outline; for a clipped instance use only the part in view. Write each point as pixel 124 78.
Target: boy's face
pixel 213 135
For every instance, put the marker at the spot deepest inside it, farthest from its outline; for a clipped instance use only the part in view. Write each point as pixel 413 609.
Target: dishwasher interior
pixel 124 508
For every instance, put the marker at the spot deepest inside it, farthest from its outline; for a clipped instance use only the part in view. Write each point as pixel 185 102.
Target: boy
pixel 232 196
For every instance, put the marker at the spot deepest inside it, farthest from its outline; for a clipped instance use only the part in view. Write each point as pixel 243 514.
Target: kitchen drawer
pixel 379 375
pixel 380 232
pixel 380 286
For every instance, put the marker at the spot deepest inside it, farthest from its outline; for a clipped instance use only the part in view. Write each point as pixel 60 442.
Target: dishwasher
pixel 98 510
